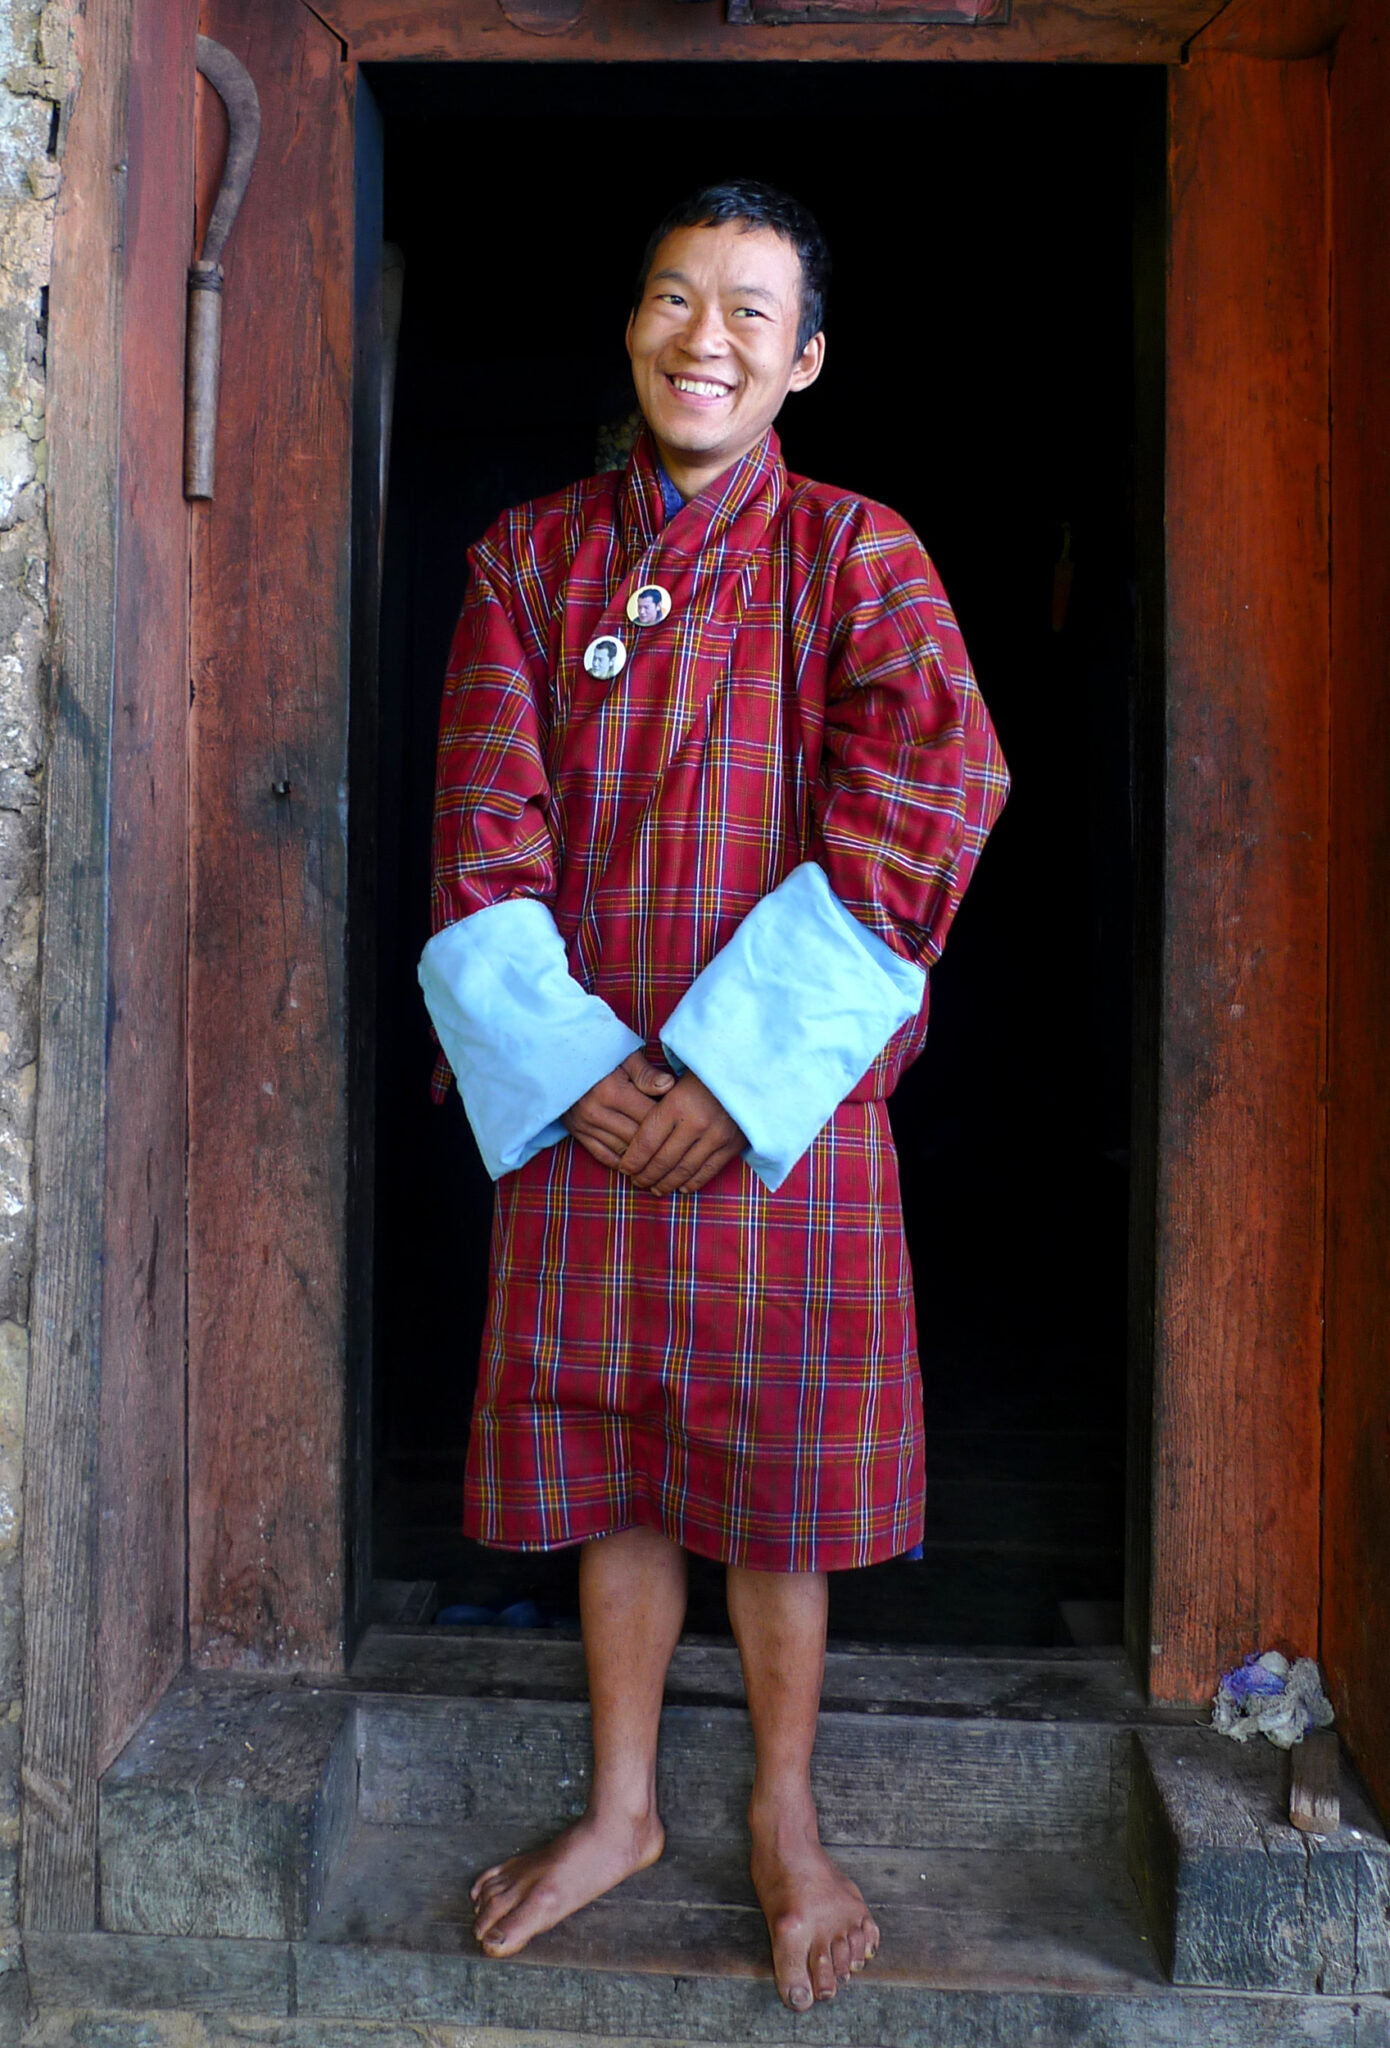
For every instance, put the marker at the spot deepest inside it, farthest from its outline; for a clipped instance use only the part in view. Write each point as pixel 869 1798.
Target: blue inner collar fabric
pixel 670 496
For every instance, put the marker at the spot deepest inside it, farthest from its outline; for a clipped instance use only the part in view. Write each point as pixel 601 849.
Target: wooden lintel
pixel 664 31
pixel 873 13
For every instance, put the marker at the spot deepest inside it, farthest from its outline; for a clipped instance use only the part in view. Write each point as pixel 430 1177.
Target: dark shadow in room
pixel 979 379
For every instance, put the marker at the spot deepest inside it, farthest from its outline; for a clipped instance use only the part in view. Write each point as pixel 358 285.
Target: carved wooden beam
pixel 872 13
pixel 645 31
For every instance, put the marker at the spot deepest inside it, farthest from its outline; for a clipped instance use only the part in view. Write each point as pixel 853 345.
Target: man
pixel 682 918
pixel 604 658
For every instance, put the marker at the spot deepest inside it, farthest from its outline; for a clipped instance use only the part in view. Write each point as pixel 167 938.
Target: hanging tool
pixel 231 81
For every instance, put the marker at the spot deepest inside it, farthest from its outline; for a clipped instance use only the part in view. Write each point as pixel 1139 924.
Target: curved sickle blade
pixel 233 85
pixel 232 82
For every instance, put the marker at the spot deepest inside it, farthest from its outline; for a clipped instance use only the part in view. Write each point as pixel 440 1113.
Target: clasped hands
pixel 659 1132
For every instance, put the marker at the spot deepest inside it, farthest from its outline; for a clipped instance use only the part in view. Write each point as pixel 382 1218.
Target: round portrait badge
pixel 604 657
pixel 648 604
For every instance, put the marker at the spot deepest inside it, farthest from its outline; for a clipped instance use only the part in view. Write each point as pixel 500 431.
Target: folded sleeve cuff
pixel 524 1039
pixel 790 1015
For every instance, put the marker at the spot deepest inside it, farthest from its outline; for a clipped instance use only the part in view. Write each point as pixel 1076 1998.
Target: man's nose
pixel 704 334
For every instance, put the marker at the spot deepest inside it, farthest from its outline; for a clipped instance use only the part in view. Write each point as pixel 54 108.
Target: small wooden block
pixel 1237 1898
pixel 1315 1801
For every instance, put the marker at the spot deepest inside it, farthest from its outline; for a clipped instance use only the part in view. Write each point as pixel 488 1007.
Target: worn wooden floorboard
pixel 493 1663
pixel 957 1918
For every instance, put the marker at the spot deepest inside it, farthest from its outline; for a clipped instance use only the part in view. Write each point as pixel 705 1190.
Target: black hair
pixel 758 206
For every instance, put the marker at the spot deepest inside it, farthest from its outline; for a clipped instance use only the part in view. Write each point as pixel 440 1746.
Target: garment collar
pixel 705 519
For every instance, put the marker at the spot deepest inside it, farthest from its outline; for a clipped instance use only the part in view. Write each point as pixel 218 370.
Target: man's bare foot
pixel 821 1929
pixel 521 1898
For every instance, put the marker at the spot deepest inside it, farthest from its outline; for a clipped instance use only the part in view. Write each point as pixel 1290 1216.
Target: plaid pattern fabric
pixel 735 1367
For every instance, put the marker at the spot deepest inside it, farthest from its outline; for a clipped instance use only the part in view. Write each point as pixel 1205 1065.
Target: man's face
pixel 713 343
pixel 648 610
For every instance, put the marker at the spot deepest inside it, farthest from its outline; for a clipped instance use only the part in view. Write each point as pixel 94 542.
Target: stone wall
pixel 34 87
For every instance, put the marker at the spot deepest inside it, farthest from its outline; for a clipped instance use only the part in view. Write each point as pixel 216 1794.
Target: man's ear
pixel 807 366
pixel 627 331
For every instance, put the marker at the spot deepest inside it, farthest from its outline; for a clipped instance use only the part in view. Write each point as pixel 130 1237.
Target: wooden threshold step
pixel 950 1918
pixel 248 1810
pixel 958 1781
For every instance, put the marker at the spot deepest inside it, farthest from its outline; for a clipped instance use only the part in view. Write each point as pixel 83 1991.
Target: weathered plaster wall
pixel 34 80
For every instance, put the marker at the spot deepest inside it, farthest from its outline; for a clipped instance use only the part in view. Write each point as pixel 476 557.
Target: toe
pixel 839 1958
pixel 823 1974
pixel 789 1966
pixel 484 1920
pixel 796 1990
pixel 871 1939
pixel 858 1943
pixel 503 1937
pixel 492 1907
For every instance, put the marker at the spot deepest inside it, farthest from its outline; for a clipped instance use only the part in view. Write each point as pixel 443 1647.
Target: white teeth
pixel 699 387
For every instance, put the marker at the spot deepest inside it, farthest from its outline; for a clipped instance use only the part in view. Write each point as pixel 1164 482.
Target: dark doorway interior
pixel 980 380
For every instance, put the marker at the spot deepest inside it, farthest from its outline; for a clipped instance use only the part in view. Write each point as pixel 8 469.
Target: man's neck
pixel 692 474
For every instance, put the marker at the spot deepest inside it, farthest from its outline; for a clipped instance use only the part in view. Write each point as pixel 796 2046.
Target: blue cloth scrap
pixel 1252 1677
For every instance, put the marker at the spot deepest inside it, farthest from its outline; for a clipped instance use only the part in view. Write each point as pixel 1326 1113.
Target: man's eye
pixel 671 298
pixel 752 312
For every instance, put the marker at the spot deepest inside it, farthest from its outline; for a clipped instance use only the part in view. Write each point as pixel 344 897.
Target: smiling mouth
pixel 697 387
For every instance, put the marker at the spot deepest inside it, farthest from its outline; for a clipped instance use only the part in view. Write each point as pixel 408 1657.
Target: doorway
pixel 980 379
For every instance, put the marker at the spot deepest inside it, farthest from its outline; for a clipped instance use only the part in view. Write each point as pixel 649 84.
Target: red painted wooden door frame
pixel 1234 1461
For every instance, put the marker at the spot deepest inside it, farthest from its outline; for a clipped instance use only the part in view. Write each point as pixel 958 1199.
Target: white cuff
pixel 525 1041
pixel 790 1015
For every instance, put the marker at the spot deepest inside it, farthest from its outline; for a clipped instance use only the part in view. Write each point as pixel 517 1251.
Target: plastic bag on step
pixel 1266 1695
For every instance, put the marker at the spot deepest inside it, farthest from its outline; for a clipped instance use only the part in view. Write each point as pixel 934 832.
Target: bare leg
pixel 820 1927
pixel 632 1604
